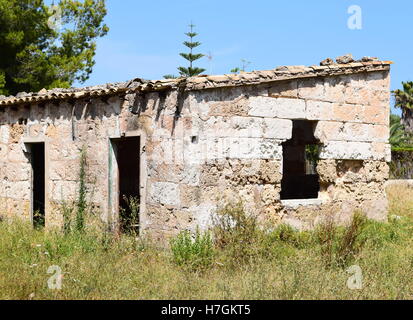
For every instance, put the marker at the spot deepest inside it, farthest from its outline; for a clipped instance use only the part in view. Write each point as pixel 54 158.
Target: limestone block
pixel 63 190
pixel 190 196
pixel 277 108
pixel 381 151
pixel 334 89
pixel 311 89
pixel 20 190
pixel 57 170
pixel 203 215
pixel 36 130
pixel 219 126
pixel 169 150
pixel 16 153
pixel 164 193
pixel 348 151
pixel 379 133
pixel 235 107
pixel 357 95
pixel 329 130
pixel 200 106
pixel 378 80
pixel 190 175
pixel 347 112
pixel 375 114
pixel 284 89
pixel 232 148
pixel 357 132
pixel 17 171
pixel 380 98
pixel 247 127
pixel 63 150
pixel 163 171
pixel 246 148
pixel 319 110
pixel 194 153
pixel 277 129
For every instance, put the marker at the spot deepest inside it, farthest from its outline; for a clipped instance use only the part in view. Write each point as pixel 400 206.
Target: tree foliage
pixel 191 57
pixel 404 98
pixel 398 136
pixel 404 101
pixel 38 52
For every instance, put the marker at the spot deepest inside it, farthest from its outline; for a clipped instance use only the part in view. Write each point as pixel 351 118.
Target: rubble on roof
pixel 344 65
pixel 348 58
pixel 327 62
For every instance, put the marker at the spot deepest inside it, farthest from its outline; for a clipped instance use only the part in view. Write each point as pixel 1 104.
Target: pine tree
pixel 191 57
pixel 45 46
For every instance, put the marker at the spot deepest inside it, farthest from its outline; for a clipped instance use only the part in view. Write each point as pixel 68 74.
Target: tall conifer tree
pixel 191 71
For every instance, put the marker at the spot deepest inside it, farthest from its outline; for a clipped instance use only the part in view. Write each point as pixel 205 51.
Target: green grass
pixel 282 264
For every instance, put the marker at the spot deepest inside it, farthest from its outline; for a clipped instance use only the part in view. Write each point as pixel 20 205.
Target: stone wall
pixel 202 148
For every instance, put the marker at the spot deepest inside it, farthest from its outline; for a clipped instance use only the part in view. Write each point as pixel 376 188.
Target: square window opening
pixel 300 157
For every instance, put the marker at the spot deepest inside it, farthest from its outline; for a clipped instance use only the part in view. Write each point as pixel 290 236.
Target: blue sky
pixel 146 36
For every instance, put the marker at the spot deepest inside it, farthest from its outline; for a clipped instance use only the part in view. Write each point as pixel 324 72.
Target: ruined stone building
pixel 294 144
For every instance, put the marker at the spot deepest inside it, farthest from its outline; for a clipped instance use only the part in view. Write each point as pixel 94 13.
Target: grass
pixel 282 264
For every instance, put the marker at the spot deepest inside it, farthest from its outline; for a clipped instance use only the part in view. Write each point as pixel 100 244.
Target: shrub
pixel 290 236
pixel 196 253
pixel 236 232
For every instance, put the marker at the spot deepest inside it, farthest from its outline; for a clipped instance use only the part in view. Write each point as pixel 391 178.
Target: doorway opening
pixel 37 160
pixel 127 151
pixel 300 156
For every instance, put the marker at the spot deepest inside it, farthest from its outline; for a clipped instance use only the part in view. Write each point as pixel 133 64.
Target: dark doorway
pixel 300 156
pixel 38 183
pixel 127 152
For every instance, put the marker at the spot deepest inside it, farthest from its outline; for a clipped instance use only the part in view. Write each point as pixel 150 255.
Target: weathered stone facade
pixel 203 141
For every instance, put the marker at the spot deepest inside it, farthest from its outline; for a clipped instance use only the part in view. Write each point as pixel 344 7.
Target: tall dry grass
pixel 282 264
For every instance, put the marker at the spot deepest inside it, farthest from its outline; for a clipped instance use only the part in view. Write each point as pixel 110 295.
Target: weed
pixel 349 244
pixel 339 245
pixel 81 201
pixel 129 216
pixel 193 252
pixel 39 219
